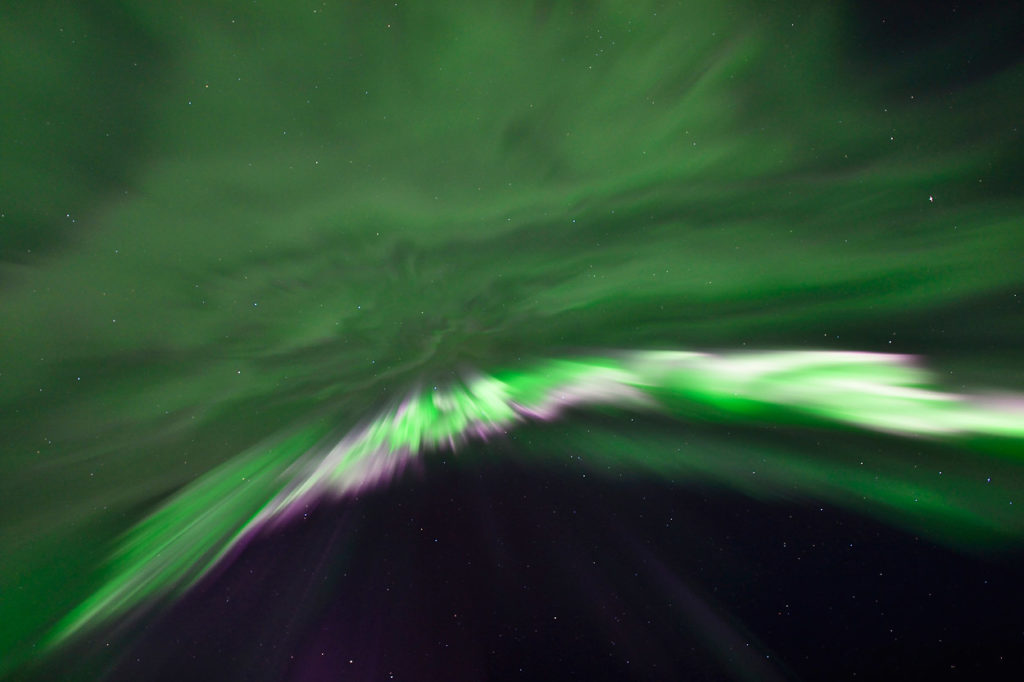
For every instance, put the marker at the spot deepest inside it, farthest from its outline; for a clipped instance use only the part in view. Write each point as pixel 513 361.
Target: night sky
pixel 511 340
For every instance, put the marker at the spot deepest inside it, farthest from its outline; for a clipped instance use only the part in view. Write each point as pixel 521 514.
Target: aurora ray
pixel 207 521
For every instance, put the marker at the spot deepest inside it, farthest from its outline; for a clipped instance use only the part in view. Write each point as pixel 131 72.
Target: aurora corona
pixel 543 339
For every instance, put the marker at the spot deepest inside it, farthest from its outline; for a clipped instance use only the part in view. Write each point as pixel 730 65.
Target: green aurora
pixel 192 533
pixel 232 234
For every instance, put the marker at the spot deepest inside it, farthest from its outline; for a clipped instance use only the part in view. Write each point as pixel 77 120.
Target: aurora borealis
pixel 650 340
